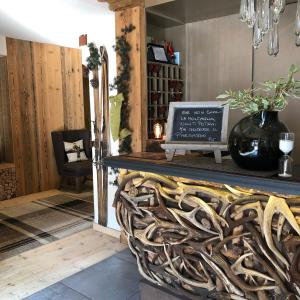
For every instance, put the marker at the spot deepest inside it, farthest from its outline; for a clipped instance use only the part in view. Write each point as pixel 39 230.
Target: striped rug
pixel 37 223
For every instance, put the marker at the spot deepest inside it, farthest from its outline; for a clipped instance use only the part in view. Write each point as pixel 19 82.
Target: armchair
pixel 78 170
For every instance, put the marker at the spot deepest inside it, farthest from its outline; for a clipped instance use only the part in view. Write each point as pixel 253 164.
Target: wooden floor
pixel 36 269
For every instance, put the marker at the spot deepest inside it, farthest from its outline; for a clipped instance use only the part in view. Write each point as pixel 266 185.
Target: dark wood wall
pixel 6 154
pixel 45 90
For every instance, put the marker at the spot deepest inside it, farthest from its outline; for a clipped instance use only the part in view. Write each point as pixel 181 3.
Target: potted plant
pixel 254 141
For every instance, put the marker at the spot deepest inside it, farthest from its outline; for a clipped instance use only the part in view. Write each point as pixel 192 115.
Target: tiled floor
pixel 115 278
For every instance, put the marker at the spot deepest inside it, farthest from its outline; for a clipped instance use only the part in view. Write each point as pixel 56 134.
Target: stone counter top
pixel 203 168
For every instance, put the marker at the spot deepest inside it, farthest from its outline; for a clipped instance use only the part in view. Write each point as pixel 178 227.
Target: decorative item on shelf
pixel 172 97
pixel 164 87
pixel 157 53
pixel 254 141
pixel 177 58
pixel 178 97
pixel 170 52
pixel 286 145
pixel 151 111
pixel 121 83
pixel 154 69
pixel 264 16
pixel 172 85
pixel 161 110
pixel 155 97
pixel 199 126
pixel 178 86
pixel 157 130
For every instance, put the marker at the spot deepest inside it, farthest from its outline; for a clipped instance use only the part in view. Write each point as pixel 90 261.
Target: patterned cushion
pixel 75 151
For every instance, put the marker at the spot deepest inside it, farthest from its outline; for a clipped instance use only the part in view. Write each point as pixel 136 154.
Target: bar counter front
pixel 210 231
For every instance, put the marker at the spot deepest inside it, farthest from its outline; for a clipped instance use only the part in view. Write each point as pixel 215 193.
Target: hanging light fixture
pixel 263 17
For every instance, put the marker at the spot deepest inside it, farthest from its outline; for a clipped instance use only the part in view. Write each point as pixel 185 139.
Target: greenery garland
pixel 93 62
pixel 121 84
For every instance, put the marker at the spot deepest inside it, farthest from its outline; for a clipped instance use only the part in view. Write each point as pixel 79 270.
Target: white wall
pixel 61 22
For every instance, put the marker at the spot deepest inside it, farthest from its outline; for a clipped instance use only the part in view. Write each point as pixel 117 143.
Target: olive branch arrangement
pixel 271 96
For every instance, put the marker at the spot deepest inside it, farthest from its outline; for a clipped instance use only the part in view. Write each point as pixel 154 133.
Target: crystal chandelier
pixel 263 16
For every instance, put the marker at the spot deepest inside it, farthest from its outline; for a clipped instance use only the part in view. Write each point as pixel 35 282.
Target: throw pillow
pixel 75 151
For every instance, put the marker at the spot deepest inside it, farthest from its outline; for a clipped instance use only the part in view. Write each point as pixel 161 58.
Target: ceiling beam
pixel 116 5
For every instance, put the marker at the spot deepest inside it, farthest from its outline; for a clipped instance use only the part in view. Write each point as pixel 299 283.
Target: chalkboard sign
pixel 197 122
pixel 200 126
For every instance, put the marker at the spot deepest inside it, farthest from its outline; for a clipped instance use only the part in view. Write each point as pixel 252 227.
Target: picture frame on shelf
pixel 157 53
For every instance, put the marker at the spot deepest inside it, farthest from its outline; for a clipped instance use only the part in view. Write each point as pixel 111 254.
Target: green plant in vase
pixel 254 141
pixel 271 96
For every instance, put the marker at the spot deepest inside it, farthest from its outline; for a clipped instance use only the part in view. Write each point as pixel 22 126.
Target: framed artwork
pixel 157 53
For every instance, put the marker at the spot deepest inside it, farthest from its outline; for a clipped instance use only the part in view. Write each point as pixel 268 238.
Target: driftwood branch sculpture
pixel 210 239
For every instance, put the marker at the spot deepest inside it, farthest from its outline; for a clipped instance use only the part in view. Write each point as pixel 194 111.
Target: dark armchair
pixel 77 170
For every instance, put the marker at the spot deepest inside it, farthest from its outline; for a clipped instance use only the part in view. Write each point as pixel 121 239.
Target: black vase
pixel 254 141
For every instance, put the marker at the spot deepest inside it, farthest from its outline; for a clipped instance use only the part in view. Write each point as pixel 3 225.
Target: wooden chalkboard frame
pixel 207 104
pixel 171 146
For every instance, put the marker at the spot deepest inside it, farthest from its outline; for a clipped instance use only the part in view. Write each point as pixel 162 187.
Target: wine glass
pixel 286 145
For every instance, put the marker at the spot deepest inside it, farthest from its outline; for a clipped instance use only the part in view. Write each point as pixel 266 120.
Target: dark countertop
pixel 203 168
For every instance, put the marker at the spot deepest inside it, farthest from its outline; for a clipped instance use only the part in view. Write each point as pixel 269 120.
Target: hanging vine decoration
pixel 93 62
pixel 121 84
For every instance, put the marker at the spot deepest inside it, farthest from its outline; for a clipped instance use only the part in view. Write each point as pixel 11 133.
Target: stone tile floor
pixel 116 278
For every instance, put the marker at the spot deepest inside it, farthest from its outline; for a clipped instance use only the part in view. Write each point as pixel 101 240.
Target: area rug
pixel 37 223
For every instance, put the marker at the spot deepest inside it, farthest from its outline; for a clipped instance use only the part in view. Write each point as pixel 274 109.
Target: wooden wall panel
pixel 6 149
pixel 137 96
pixel 49 103
pixel 23 113
pixel 72 88
pixel 45 90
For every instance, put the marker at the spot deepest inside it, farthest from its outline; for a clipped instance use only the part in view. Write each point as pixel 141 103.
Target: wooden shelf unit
pixel 165 84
